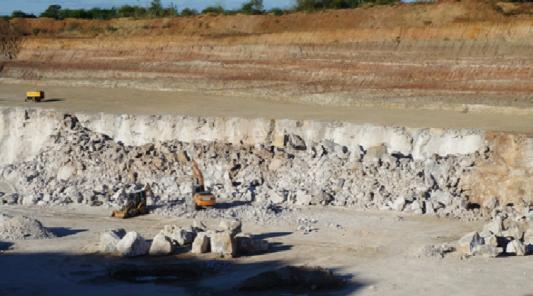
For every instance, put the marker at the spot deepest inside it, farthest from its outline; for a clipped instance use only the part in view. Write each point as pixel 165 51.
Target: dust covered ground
pixel 198 103
pixel 379 252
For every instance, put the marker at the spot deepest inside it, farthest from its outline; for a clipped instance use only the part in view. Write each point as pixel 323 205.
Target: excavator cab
pixel 200 196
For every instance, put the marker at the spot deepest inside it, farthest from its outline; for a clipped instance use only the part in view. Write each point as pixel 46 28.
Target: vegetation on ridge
pixel 156 9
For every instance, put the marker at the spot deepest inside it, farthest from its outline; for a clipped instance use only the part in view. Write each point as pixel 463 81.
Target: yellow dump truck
pixel 35 96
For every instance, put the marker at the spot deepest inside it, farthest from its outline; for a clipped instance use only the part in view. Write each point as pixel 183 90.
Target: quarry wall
pixel 49 157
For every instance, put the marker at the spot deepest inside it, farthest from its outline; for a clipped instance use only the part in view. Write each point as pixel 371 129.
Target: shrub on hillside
pixel 252 7
pixel 277 11
pixel 313 5
pixel 189 12
pixel 218 9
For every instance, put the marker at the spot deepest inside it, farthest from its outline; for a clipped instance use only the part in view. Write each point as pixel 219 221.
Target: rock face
pixel 201 243
pixel 223 243
pixel 132 245
pixel 415 170
pixel 161 246
pixel 21 227
pixel 110 239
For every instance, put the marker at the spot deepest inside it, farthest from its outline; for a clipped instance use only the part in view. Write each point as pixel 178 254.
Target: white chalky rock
pixel 161 246
pixel 201 243
pixel 275 197
pixel 469 243
pixel 495 226
pixel 303 198
pixel 178 235
pixel 516 247
pixel 232 226
pixel 398 204
pixel 132 244
pixel 109 240
pixel 222 243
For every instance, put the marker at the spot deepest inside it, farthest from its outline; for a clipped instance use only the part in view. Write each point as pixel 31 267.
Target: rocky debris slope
pixel 80 166
pixel 508 233
pixel 21 227
pixel 226 240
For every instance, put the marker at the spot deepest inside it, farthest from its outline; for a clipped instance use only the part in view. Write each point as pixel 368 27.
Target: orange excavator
pixel 200 196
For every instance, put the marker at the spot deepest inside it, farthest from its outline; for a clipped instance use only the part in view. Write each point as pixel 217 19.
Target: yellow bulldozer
pixel 135 203
pixel 35 96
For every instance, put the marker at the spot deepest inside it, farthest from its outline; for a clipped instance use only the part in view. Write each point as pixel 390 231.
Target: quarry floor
pixel 379 252
pixel 401 113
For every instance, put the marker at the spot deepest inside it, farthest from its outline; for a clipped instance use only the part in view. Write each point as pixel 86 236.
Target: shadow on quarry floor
pixel 5 246
pixel 51 100
pixel 232 204
pixel 64 231
pixel 71 274
pixel 272 234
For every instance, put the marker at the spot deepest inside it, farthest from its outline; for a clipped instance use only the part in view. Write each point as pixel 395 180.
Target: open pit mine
pixel 382 150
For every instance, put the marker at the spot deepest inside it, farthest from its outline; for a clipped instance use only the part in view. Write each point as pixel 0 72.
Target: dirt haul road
pixel 382 253
pixel 201 104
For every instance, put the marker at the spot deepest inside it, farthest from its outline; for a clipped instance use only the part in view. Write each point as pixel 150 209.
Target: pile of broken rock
pixel 227 240
pixel 507 234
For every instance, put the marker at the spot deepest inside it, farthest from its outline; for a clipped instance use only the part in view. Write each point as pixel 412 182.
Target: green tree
pixel 21 14
pixel 253 7
pixel 126 11
pixel 189 12
pixel 171 10
pixel 217 9
pixel 277 11
pixel 53 11
pixel 156 8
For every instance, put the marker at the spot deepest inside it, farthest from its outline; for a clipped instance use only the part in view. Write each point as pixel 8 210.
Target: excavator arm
pixel 198 176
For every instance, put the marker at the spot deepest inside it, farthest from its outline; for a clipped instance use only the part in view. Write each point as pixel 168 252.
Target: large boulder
pixel 516 247
pixel 161 246
pixel 495 226
pixel 232 226
pixel 109 240
pixel 469 243
pixel 222 243
pixel 248 245
pixel 489 251
pixel 178 235
pixel 132 244
pixel 201 243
